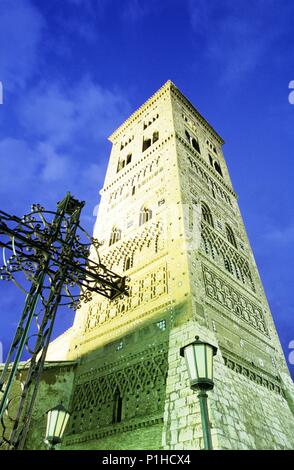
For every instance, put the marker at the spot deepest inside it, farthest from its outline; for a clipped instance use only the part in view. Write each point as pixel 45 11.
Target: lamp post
pixel 57 419
pixel 199 361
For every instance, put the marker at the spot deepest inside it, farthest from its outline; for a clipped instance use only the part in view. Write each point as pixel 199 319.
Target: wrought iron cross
pixel 47 248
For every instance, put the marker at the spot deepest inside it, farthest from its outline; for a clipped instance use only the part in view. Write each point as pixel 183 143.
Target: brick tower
pixel 170 222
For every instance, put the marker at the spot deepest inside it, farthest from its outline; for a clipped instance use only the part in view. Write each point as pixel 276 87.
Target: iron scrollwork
pixel 55 262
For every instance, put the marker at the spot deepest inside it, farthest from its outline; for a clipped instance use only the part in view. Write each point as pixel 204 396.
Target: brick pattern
pixel 224 254
pixel 143 290
pixel 233 300
pixel 140 384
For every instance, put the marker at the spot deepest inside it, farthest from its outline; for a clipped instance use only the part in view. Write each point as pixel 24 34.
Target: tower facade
pixel 169 221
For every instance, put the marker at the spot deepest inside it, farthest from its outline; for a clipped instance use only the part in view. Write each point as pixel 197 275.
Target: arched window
pixel 192 141
pixel 128 262
pixel 117 407
pixel 120 165
pixel 206 214
pixel 145 215
pixel 195 144
pixel 115 236
pixel 188 136
pixel 230 236
pixel 155 136
pixel 218 168
pixel 146 144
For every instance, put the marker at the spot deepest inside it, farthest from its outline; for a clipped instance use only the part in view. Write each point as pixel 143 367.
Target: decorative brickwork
pixel 143 290
pixel 212 186
pixel 233 300
pixel 258 377
pixel 226 255
pixel 140 178
pixel 140 385
pixel 148 236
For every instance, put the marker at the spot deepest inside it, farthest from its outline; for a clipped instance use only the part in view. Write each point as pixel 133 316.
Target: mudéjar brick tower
pixel 170 222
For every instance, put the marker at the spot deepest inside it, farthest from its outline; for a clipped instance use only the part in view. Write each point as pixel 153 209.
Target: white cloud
pixel 63 129
pixel 26 168
pixel 71 114
pixel 38 172
pixel 91 172
pixel 54 166
pixel 280 236
pixel 48 112
pixel 18 164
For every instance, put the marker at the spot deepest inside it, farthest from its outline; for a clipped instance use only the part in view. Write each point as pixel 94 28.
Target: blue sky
pixel 73 70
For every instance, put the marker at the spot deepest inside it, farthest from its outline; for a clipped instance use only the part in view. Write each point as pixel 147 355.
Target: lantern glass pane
pixel 52 417
pixel 66 417
pixel 59 423
pixel 209 361
pixel 48 423
pixel 200 358
pixel 191 362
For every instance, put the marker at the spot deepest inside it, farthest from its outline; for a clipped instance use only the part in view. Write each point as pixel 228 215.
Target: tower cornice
pixel 168 86
pixel 196 113
pixel 124 126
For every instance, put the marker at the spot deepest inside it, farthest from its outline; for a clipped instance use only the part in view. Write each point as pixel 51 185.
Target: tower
pixel 169 221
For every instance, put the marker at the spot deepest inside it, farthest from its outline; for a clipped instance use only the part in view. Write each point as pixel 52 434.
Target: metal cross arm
pixel 80 269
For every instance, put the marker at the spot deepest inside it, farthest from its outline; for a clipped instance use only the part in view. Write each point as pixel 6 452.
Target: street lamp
pixel 57 419
pixel 199 361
